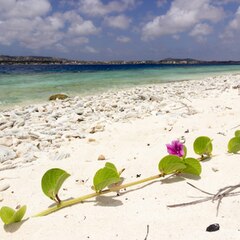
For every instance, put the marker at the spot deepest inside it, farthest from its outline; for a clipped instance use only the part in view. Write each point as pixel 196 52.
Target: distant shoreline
pixel 26 84
pixel 38 60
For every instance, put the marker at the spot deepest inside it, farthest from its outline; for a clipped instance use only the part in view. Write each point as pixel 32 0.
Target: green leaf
pixel 52 181
pixel 234 145
pixel 20 213
pixel 105 177
pixel 203 146
pixel 185 151
pixel 192 166
pixel 171 164
pixel 9 215
pixel 111 166
pixel 237 133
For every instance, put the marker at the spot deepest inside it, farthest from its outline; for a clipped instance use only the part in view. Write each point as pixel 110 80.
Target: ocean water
pixel 23 84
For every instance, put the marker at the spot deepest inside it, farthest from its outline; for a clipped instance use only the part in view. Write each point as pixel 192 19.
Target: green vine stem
pixel 81 199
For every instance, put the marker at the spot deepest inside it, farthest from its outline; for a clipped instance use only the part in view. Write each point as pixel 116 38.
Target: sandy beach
pixel 129 128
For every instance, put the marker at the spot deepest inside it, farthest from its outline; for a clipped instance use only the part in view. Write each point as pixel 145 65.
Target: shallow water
pixel 21 84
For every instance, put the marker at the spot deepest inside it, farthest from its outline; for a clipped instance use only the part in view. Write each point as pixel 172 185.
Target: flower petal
pixel 175 148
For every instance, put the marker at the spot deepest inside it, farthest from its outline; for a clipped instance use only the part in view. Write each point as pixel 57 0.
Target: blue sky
pixel 121 29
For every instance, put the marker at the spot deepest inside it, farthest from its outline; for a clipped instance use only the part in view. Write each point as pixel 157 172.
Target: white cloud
pixel 201 29
pixel 98 8
pixel 55 21
pixel 35 30
pixel 222 2
pixel 123 39
pixel 235 23
pixel 120 21
pixel 76 41
pixel 182 16
pixel 42 33
pixel 25 21
pixel 60 47
pixel 233 28
pixel 24 8
pixel 89 49
pixel 78 26
pixel 83 28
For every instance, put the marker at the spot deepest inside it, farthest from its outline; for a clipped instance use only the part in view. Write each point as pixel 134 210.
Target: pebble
pixel 213 227
pixel 4 187
pixel 91 140
pixel 61 156
pixel 6 154
pixel 215 169
pixel 46 127
pixel 155 98
pixel 101 157
pixel 79 111
pixel 97 128
pixel 6 141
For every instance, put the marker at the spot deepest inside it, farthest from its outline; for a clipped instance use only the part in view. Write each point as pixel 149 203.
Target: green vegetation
pixel 9 215
pixel 105 177
pixel 203 146
pixel 234 143
pixel 52 181
pixel 108 179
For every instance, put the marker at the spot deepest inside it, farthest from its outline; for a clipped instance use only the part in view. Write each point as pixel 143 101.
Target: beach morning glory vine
pixel 108 179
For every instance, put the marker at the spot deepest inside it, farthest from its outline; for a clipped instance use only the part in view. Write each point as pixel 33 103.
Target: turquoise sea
pixel 24 84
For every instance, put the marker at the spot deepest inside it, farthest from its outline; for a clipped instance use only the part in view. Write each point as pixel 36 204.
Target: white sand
pixel 138 145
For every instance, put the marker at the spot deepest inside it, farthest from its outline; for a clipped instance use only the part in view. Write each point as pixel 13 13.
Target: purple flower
pixel 175 148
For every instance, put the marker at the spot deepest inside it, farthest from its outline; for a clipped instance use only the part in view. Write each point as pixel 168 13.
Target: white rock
pixel 19 123
pixel 33 109
pixel 26 147
pixel 41 109
pixel 6 154
pixel 57 114
pixel 44 144
pixel 76 98
pixel 4 187
pixel 97 128
pixel 79 104
pixel 21 112
pixel 3 121
pixel 22 134
pixel 6 125
pixel 73 134
pixel 88 104
pixel 6 141
pixel 130 115
pixel 62 120
pixel 155 98
pixel 61 156
pixel 34 135
pixel 79 111
pixel 29 157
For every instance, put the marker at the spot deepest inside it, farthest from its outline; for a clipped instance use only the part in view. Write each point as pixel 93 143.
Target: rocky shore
pixel 129 128
pixel 27 133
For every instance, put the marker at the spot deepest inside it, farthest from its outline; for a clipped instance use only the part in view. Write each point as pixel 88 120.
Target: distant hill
pixel 8 60
pixel 181 61
pixel 30 59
